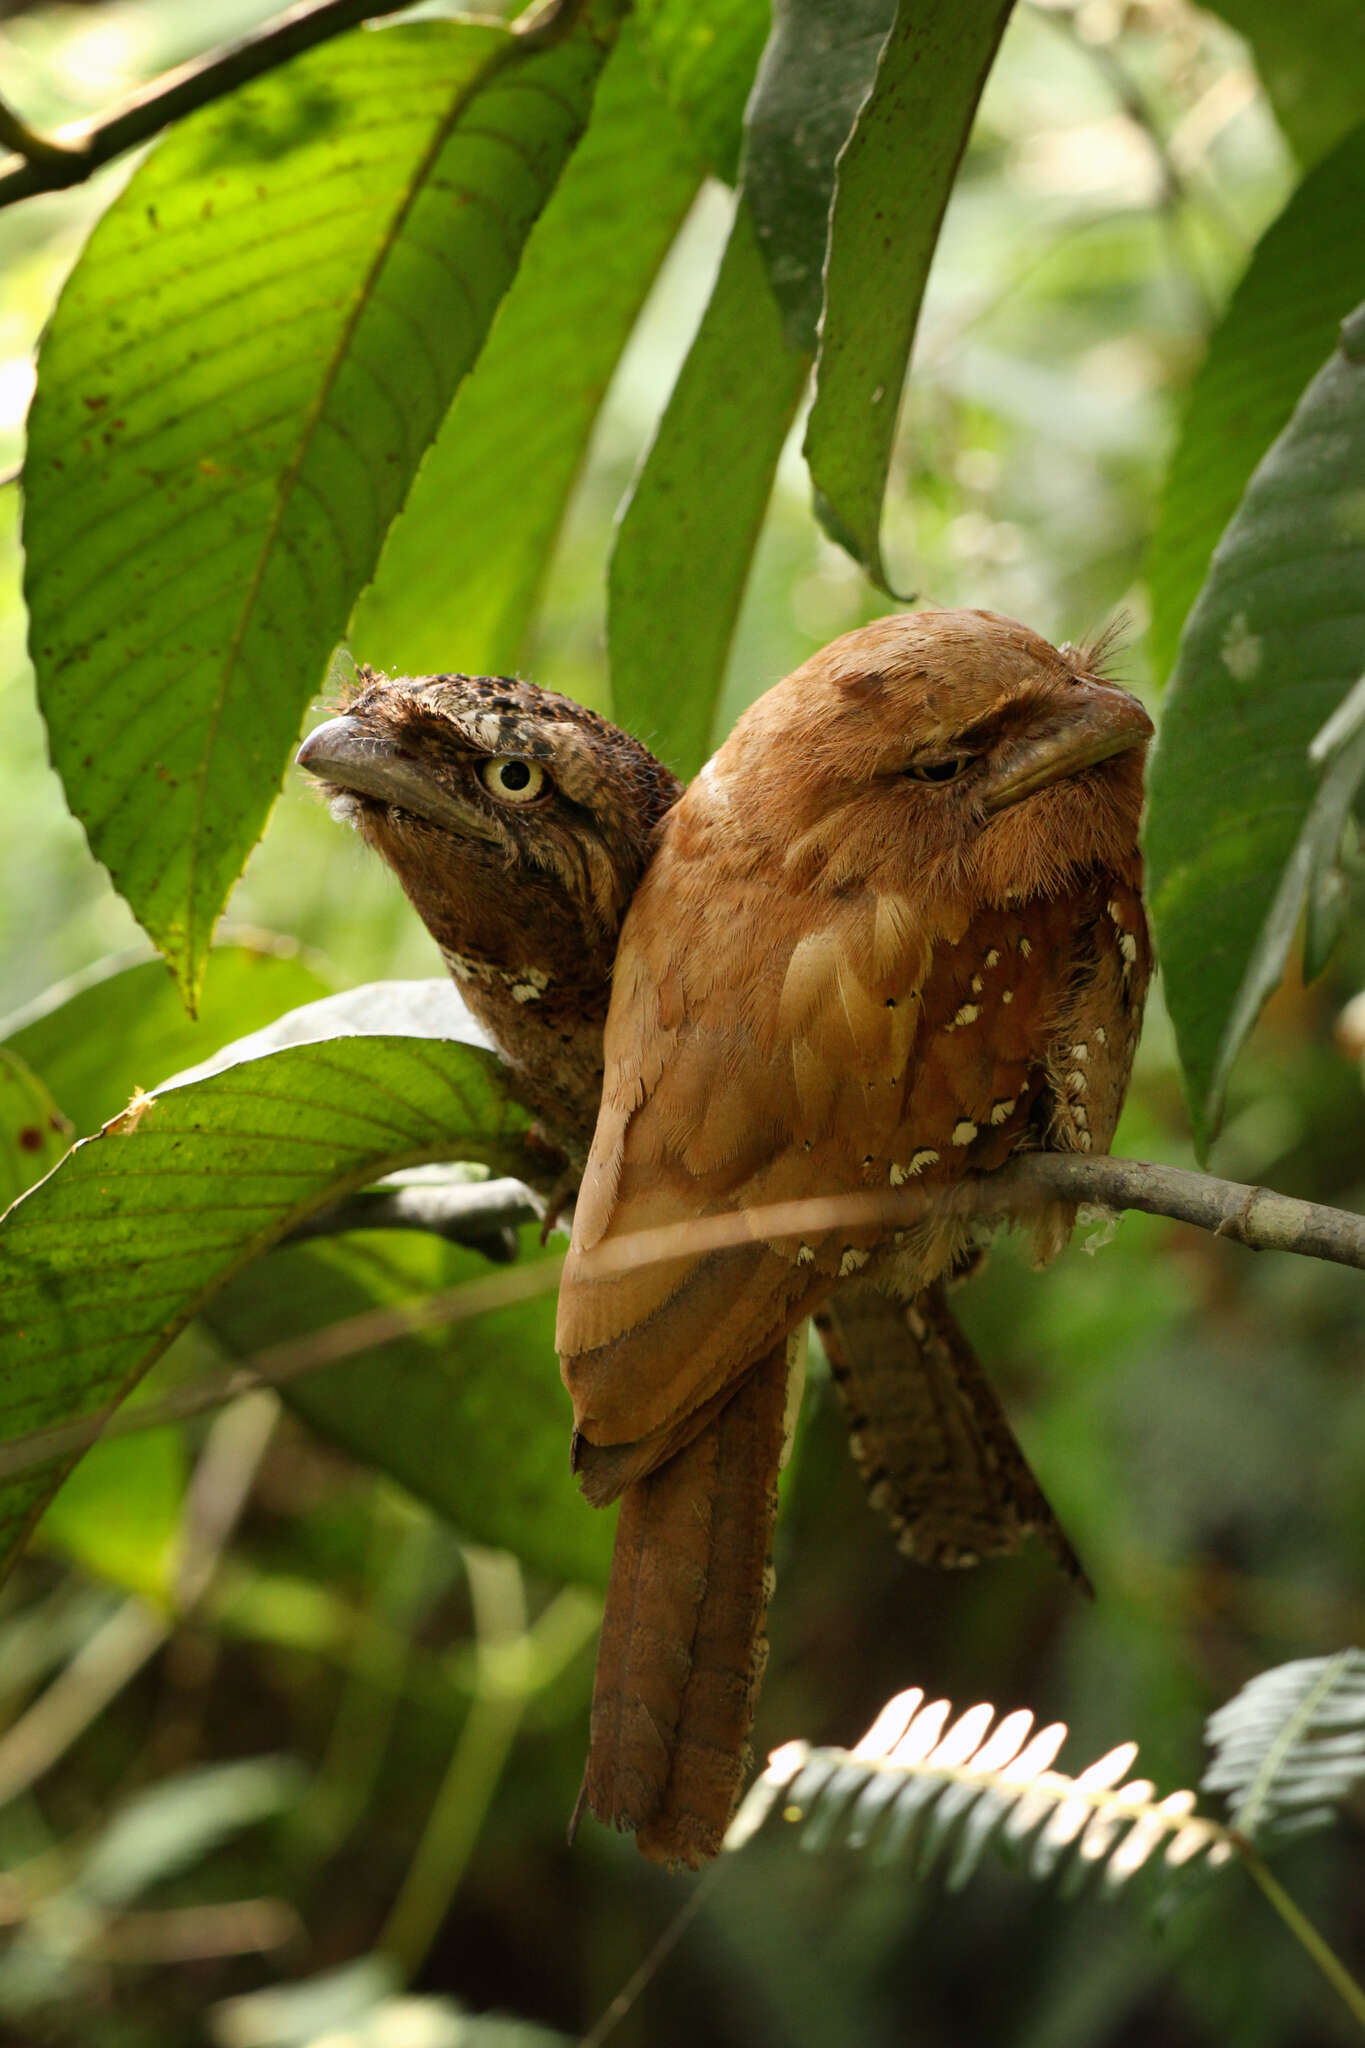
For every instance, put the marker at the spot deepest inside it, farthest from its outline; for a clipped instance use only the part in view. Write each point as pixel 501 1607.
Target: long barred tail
pixel 935 1447
pixel 683 1646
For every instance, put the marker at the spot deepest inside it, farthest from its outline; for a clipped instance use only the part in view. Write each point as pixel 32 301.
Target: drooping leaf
pixel 1311 59
pixel 692 520
pixel 108 1258
pixel 33 1131
pixel 922 1788
pixel 464 564
pixel 120 1026
pixel 471 1417
pixel 1239 817
pixel 410 1009
pixel 242 375
pixel 892 187
pixel 817 70
pixel 705 53
pixel 1305 273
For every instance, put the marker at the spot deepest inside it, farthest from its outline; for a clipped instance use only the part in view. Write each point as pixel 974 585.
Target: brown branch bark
pixel 469 1212
pixel 1255 1217
pixel 51 163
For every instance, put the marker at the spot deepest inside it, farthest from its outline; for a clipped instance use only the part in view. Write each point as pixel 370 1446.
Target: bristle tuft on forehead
pixel 1098 654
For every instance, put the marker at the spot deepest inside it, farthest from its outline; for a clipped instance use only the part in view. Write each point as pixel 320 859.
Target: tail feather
pixel 935 1446
pixel 683 1648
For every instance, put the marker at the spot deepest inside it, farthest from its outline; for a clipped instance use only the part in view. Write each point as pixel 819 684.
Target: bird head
pixel 517 821
pixel 938 751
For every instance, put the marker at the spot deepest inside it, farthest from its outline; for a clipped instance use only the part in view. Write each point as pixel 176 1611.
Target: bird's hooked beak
pixel 1090 724
pixel 347 752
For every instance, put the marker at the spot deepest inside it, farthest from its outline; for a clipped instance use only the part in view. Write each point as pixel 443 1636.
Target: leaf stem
pixel 52 163
pixel 1305 1933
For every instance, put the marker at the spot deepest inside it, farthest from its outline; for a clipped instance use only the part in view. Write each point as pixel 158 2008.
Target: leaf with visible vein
pixel 1304 274
pixel 892 187
pixel 470 1416
pixel 463 568
pixel 1239 816
pixel 242 375
pixel 106 1260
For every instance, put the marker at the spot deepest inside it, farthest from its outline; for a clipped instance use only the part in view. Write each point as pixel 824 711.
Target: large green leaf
pixel 465 562
pixel 120 1026
pixel 471 1417
pixel 244 370
pixel 108 1258
pixel 705 53
pixel 816 72
pixel 1311 58
pixel 892 188
pixel 1240 819
pixel 33 1131
pixel 691 523
pixel 1307 271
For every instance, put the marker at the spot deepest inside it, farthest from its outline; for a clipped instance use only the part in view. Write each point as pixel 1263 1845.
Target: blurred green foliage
pixel 207 1600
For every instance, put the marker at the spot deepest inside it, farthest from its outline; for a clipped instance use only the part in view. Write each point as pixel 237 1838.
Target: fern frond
pixel 1290 1745
pixel 916 1788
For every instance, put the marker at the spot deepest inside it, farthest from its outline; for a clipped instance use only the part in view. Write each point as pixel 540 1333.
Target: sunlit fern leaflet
pixel 1290 1745
pixel 923 1788
pixel 918 1788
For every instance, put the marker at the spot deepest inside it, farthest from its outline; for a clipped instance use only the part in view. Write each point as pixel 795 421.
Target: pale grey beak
pixel 346 752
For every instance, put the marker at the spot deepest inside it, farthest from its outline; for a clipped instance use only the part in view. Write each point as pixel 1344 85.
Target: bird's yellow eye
pixel 512 780
pixel 941 771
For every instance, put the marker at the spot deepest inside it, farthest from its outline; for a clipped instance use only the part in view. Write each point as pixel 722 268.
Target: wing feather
pixel 701 1115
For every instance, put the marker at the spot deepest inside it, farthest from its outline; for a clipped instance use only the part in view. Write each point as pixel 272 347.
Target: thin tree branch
pixel 484 1215
pixel 43 163
pixel 468 1212
pixel 1255 1217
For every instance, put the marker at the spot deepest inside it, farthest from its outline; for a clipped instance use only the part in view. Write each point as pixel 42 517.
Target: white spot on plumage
pixel 1000 1110
pixel 1025 948
pixel 918 1161
pixel 1101 1037
pixel 1007 995
pixel 1083 1139
pixel 1080 1053
pixel 1128 948
pixel 977 984
pixel 805 1255
pixel 1075 1082
pixel 964 1132
pixel 852 1261
pixel 992 958
pixel 968 1014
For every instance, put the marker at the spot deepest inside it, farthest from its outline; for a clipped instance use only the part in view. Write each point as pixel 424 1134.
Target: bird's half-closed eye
pixel 513 780
pixel 947 770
